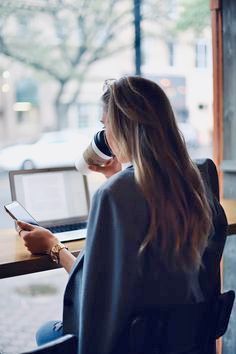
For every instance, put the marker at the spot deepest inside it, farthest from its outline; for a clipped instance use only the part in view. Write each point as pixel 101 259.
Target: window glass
pixel 55 56
pixel 201 54
pixel 171 53
pixel 173 59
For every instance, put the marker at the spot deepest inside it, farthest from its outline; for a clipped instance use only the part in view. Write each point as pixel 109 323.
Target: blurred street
pixel 26 303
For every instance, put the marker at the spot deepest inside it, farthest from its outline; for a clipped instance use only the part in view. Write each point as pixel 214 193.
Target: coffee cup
pixel 97 153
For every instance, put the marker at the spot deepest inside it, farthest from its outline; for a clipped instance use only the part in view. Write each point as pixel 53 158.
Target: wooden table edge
pixel 231 230
pixel 33 264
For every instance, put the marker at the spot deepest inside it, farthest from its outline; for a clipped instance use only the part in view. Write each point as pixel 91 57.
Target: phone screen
pixel 18 212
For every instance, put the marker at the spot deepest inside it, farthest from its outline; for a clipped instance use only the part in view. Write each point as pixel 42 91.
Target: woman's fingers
pixel 96 168
pixel 38 240
pixel 24 226
pixel 23 233
pixel 112 167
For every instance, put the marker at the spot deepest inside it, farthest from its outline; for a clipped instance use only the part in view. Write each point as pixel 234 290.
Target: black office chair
pixel 174 329
pixel 209 174
pixel 64 345
pixel 180 329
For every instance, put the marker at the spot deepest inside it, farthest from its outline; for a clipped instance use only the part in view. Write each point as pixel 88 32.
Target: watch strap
pixel 55 251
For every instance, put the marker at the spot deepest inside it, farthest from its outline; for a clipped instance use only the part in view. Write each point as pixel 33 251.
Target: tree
pixel 63 38
pixel 172 17
pixel 194 15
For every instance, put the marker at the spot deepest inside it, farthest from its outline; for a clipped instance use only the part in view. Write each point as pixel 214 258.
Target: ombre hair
pixel 144 127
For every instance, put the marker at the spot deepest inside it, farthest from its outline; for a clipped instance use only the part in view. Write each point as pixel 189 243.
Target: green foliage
pixel 194 15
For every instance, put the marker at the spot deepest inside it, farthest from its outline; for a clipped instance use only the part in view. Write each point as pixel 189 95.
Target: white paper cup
pixel 82 166
pixel 91 156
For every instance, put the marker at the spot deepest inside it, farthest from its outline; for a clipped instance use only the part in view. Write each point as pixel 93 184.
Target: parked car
pixel 59 148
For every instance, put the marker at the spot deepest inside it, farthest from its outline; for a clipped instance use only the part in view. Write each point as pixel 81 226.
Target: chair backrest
pixel 67 344
pixel 180 329
pixel 209 174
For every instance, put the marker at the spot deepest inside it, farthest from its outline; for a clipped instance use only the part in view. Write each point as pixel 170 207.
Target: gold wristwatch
pixel 55 250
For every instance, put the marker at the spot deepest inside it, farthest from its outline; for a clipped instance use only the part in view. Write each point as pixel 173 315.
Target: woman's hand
pixel 36 239
pixel 113 166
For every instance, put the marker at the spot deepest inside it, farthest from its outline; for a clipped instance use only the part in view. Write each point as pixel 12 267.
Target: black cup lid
pixel 102 144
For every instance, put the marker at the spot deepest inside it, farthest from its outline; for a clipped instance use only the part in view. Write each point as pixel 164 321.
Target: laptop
pixel 58 198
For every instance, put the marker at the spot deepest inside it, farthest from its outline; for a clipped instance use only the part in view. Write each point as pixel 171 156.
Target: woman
pixel 148 227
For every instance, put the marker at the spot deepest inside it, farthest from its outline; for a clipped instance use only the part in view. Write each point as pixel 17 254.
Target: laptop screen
pixel 52 195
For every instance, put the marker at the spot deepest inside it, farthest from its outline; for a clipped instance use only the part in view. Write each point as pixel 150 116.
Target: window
pixel 201 52
pixel 171 53
pixel 54 58
pixel 84 113
pixel 54 61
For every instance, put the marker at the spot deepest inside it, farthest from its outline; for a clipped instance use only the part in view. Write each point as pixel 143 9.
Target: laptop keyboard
pixel 63 228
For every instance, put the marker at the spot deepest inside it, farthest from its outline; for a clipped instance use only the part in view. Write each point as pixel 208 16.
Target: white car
pixel 53 149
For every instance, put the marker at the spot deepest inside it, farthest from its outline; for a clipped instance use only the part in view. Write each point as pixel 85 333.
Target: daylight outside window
pixel 55 56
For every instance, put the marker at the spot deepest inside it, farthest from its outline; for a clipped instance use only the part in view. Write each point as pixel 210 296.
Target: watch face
pixel 55 248
pixel 55 252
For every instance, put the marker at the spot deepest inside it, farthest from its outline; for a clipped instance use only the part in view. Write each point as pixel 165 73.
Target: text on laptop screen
pixel 52 195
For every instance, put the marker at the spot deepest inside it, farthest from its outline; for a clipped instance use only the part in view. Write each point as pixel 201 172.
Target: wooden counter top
pixel 16 260
pixel 229 206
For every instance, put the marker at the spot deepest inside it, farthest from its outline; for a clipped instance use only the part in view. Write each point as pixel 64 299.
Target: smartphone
pixel 18 212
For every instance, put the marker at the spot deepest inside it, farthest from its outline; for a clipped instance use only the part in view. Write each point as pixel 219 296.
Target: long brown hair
pixel 143 124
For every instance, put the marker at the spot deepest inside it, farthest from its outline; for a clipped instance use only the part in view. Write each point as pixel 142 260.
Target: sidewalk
pixel 26 302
